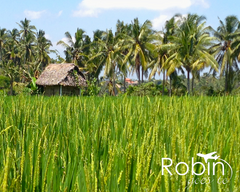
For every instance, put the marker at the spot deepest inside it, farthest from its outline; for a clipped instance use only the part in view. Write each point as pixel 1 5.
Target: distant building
pixel 130 82
pixel 62 79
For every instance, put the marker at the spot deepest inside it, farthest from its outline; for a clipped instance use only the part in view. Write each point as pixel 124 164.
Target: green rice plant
pixel 116 143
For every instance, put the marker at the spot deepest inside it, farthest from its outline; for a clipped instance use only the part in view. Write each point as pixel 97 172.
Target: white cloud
pixel 48 36
pixel 135 4
pixel 86 13
pixel 59 13
pixel 33 14
pixel 203 3
pixel 65 40
pixel 158 23
pixel 92 8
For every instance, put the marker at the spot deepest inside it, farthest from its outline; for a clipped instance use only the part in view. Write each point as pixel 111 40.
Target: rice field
pixel 117 143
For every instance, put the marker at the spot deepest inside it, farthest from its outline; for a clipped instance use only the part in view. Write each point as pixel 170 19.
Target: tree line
pixel 24 52
pixel 184 45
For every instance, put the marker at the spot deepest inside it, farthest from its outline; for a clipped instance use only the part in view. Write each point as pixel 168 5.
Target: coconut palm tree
pixel 227 34
pixel 43 49
pixel 12 47
pixel 162 51
pixel 27 33
pixel 140 45
pixel 75 46
pixel 11 71
pixel 93 66
pixel 27 47
pixel 189 46
pixel 125 29
pixel 3 38
pixel 26 28
pixel 109 54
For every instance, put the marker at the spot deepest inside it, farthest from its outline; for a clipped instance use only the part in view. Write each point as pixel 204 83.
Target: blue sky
pixel 57 17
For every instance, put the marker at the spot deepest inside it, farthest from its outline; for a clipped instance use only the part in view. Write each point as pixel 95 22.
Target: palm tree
pixel 93 66
pixel 27 33
pixel 75 46
pixel 109 55
pixel 189 46
pixel 3 37
pixel 26 28
pixel 227 34
pixel 11 71
pixel 12 48
pixel 43 49
pixel 140 45
pixel 125 29
pixel 162 51
pixel 28 48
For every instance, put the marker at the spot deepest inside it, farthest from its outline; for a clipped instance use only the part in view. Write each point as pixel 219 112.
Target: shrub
pixel 146 89
pixel 4 82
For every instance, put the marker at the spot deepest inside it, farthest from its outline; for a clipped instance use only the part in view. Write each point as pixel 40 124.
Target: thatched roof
pixel 62 74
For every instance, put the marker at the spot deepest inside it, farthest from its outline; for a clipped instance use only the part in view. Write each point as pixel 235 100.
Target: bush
pixel 146 89
pixel 92 88
pixel 4 82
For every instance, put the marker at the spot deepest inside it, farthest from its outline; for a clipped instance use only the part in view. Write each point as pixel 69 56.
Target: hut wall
pixel 51 90
pixel 67 90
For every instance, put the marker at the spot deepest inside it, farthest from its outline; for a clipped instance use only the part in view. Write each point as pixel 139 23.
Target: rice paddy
pixel 117 143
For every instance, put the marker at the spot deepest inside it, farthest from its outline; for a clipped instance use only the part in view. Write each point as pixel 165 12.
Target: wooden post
pixel 79 91
pixel 60 91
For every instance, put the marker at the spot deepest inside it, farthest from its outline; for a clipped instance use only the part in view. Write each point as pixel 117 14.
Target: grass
pixel 115 144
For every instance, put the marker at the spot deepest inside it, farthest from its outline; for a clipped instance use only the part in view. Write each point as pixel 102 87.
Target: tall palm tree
pixel 13 50
pixel 43 49
pixel 227 34
pixel 109 55
pixel 28 50
pixel 3 38
pixel 93 66
pixel 11 71
pixel 27 33
pixel 162 51
pixel 75 46
pixel 140 45
pixel 125 29
pixel 26 28
pixel 189 46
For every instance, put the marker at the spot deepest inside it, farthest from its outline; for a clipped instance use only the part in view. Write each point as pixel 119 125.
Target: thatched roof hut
pixel 61 79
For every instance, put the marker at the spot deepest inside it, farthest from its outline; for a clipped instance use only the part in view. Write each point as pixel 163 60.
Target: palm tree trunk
pixel 192 83
pixel 114 87
pixel 170 89
pixel 0 52
pixel 163 82
pixel 25 59
pixel 137 64
pixel 188 82
pixel 142 74
pixel 114 83
pixel 98 81
pixel 227 79
pixel 124 84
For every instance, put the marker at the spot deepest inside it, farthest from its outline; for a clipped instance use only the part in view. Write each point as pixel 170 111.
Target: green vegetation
pixel 114 143
pixel 185 45
pixel 145 89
